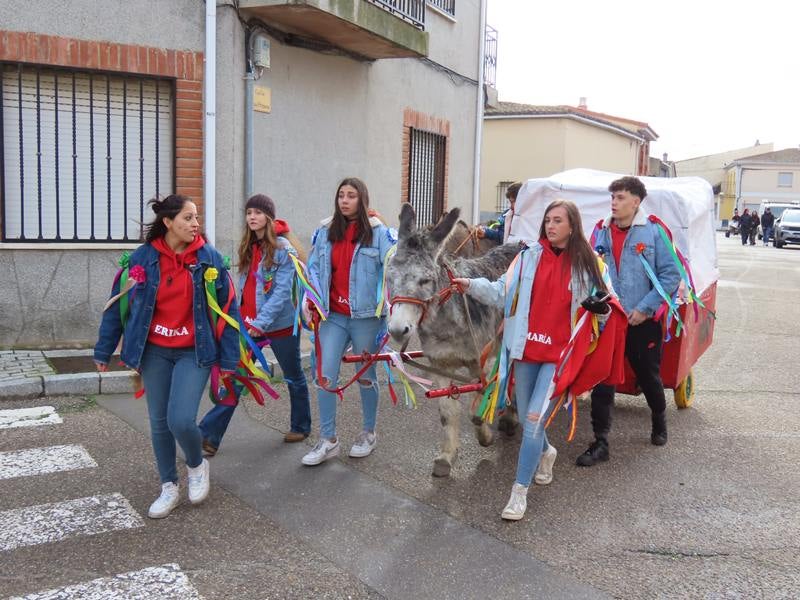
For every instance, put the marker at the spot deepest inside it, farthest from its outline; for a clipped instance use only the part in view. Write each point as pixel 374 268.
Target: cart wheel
pixel 684 393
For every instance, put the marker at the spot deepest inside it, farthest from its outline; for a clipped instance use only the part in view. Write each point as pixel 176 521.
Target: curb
pixel 84 384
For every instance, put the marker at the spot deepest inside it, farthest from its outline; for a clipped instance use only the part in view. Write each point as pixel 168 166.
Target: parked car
pixel 776 208
pixel 787 228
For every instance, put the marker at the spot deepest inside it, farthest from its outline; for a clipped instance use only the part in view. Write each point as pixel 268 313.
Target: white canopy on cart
pixel 685 204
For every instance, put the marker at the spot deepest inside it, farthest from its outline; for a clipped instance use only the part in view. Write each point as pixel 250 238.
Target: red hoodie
pixel 549 318
pixel 172 325
pixel 341 259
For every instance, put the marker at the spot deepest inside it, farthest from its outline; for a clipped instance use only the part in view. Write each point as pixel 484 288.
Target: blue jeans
pixel 334 335
pixel 174 385
pixel 287 353
pixel 532 380
pixel 767 233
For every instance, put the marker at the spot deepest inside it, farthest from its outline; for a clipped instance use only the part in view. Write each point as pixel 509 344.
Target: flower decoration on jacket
pixel 126 278
pixel 601 250
pixel 640 248
pixel 138 274
pixel 267 283
pixel 211 274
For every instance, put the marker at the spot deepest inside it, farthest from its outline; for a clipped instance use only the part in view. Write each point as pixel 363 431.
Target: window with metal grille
pixel 426 172
pixel 502 204
pixel 82 153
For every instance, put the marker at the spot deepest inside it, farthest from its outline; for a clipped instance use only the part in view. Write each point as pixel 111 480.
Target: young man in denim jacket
pixel 623 238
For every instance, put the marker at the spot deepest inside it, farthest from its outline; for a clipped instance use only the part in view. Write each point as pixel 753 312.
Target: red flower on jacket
pixel 137 273
pixel 640 247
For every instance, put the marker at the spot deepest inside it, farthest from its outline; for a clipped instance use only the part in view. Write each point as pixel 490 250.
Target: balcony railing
pixel 447 6
pixel 490 57
pixel 412 11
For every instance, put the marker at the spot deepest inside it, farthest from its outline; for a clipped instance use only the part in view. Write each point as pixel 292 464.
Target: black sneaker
pixel 597 452
pixel 658 438
pixel 658 435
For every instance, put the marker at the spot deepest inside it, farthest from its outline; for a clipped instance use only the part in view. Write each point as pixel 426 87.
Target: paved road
pixel 711 515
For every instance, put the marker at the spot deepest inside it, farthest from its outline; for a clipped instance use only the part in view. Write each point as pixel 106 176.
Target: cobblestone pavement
pixel 23 364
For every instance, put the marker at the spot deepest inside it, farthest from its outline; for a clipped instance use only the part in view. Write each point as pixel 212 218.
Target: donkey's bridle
pixel 440 297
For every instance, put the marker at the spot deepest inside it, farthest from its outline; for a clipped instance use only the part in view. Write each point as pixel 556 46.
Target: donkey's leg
pixel 483 432
pixel 509 421
pixel 449 414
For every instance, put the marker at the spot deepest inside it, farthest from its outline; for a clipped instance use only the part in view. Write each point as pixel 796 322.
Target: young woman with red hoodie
pixel 161 311
pixel 553 278
pixel 266 276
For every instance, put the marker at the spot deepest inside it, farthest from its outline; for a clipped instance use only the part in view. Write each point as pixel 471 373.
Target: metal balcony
pixel 372 29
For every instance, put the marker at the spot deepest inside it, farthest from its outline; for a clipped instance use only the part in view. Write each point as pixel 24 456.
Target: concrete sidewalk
pixel 34 373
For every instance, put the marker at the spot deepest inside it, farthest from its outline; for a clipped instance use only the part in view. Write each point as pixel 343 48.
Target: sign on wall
pixel 262 99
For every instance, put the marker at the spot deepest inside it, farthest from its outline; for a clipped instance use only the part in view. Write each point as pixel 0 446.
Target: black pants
pixel 643 346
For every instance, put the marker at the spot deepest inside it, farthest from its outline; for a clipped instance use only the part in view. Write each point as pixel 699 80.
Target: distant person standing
pixel 754 223
pixel 767 223
pixel 744 226
pixel 735 222
pixel 502 229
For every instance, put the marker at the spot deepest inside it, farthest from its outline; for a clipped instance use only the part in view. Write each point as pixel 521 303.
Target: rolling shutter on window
pixel 82 153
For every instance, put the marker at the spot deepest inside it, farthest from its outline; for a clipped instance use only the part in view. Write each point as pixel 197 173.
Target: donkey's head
pixel 414 273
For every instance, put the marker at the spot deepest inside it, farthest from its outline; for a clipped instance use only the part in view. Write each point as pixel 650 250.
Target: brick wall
pixel 186 68
pixel 418 120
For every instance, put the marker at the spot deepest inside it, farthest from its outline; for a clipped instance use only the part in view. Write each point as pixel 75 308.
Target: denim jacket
pixel 493 293
pixel 274 308
pixel 633 286
pixel 208 351
pixel 366 270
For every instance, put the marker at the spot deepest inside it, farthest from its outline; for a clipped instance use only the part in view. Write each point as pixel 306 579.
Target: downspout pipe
pixel 738 187
pixel 210 122
pixel 476 176
pixel 250 79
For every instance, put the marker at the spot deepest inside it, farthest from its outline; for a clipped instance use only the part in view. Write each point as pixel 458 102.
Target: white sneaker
pixel 324 450
pixel 517 503
pixel 364 445
pixel 199 482
pixel 170 498
pixel 544 473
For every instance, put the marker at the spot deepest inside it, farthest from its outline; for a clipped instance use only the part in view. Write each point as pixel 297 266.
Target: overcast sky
pixel 707 75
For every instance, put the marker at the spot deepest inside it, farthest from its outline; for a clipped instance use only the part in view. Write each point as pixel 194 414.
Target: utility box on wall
pixel 261 52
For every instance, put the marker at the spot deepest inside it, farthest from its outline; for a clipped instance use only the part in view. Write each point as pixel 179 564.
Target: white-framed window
pixel 81 153
pixel 785 179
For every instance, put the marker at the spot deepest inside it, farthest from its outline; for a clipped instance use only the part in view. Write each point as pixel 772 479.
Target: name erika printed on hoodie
pixel 166 331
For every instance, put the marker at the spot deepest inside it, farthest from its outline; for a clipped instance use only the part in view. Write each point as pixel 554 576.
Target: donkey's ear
pixel 445 226
pixel 408 220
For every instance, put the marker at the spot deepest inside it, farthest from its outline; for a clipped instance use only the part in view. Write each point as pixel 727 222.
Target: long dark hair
pixel 165 208
pixel 267 244
pixel 339 224
pixel 581 256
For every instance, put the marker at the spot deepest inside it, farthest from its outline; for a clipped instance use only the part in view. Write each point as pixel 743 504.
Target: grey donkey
pixel 417 271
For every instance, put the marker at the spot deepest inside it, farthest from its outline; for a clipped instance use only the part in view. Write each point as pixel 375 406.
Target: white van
pixel 776 208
